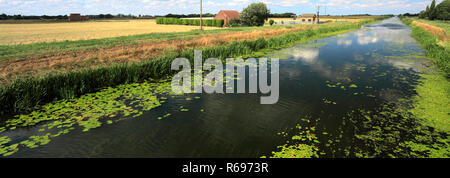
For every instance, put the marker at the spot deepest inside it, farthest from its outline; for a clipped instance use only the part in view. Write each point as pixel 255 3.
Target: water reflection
pixel 307 55
pixel 344 42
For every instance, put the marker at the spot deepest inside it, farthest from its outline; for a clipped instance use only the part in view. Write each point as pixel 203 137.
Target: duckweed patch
pixel 302 144
pixel 432 104
pixel 391 131
pixel 88 112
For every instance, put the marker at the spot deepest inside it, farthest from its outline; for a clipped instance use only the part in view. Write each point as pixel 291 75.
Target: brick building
pixel 228 15
pixel 77 17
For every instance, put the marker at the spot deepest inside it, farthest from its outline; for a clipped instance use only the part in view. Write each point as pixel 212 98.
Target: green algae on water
pixel 87 112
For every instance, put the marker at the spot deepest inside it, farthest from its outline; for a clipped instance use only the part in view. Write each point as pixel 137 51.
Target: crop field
pixel 26 33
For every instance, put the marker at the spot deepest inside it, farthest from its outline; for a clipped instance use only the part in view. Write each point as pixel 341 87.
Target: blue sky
pixel 162 7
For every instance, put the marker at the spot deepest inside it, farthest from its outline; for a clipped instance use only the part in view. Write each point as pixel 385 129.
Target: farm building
pixel 308 18
pixel 77 17
pixel 227 15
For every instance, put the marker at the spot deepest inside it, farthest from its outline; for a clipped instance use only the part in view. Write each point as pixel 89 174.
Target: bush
pixel 195 22
pixel 234 23
pixel 271 22
pixel 443 10
pixel 255 14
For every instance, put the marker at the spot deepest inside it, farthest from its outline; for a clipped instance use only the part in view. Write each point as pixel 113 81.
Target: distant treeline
pixel 410 15
pixel 61 17
pixel 21 17
pixel 99 16
pixel 284 15
pixel 189 15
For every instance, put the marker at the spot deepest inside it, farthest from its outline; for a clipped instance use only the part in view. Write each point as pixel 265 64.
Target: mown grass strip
pixel 25 95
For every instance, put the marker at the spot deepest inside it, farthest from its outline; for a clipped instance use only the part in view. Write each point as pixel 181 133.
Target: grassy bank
pixel 438 54
pixel 26 95
pixel 432 102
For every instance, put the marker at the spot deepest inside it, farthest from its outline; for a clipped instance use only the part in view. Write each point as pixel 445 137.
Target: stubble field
pixel 26 33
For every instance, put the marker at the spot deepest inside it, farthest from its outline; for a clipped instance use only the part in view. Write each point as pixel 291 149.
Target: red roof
pixel 231 14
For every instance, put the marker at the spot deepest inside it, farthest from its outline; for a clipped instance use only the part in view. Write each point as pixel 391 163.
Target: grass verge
pixel 432 102
pixel 438 54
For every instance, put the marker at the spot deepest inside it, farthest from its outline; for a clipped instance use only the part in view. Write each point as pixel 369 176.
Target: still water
pixel 322 80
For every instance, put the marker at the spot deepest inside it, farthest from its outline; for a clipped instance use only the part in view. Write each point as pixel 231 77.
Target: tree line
pixel 436 12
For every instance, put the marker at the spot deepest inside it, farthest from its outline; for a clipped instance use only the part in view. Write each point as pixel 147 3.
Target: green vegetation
pixel 393 132
pixel 255 14
pixel 441 11
pixel 271 22
pixel 88 112
pixel 438 23
pixel 195 22
pixel 432 103
pixel 302 144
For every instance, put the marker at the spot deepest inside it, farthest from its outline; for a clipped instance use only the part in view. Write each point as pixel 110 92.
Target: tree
pixel 3 16
pixel 271 22
pixel 427 12
pixel 255 14
pixel 432 14
pixel 443 10
pixel 422 14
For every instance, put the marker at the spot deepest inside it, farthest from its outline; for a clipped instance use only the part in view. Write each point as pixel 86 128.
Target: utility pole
pixel 201 18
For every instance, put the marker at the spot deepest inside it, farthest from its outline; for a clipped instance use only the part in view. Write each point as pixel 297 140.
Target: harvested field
pixel 48 32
